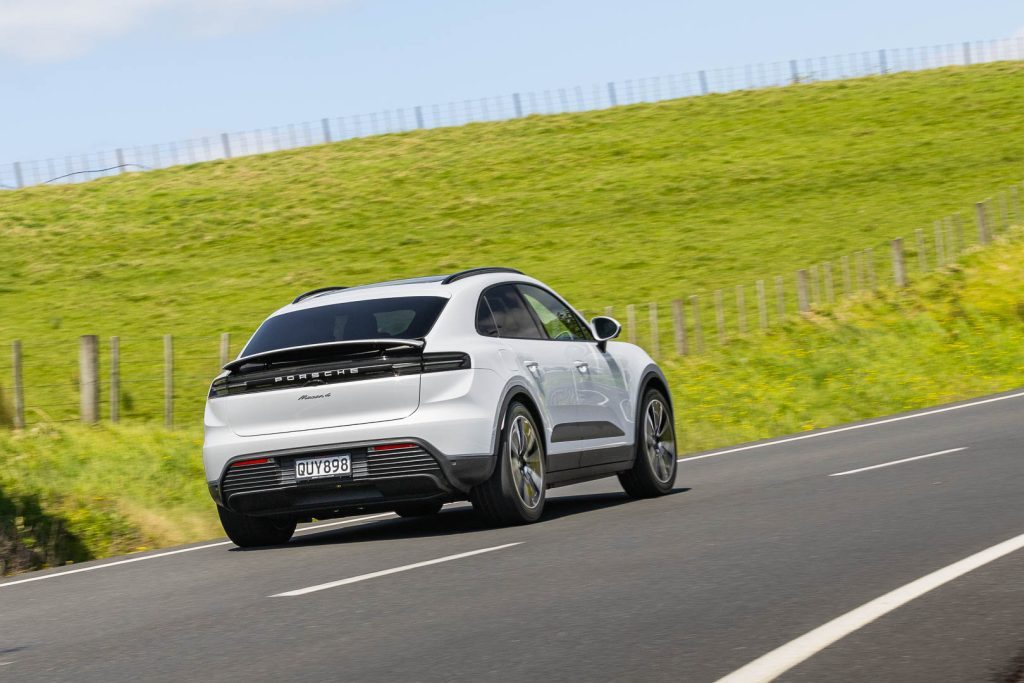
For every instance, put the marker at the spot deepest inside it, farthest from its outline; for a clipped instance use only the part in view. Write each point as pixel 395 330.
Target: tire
pixel 654 467
pixel 516 491
pixel 426 509
pixel 253 532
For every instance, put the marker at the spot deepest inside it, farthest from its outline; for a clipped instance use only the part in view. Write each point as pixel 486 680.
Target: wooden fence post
pixel 952 248
pixel 847 280
pixel 869 255
pixel 698 329
pixel 859 267
pixel 169 381
pixel 812 275
pixel 652 317
pixel 899 266
pixel 225 348
pixel 940 248
pixel 19 388
pixel 922 255
pixel 979 211
pixel 679 327
pixel 780 297
pixel 115 379
pixel 802 303
pixel 762 306
pixel 1015 205
pixel 631 323
pixel 741 310
pixel 830 295
pixel 88 378
pixel 720 317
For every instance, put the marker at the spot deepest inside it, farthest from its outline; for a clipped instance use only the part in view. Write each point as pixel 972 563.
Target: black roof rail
pixel 462 274
pixel 314 292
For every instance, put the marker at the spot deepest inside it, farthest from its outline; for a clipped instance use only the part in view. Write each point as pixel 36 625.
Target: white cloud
pixel 56 30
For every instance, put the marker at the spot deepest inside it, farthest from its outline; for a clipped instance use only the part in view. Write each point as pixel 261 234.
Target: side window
pixel 508 314
pixel 484 320
pixel 560 323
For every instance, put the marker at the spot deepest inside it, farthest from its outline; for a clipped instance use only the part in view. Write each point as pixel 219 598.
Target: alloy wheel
pixel 527 461
pixel 659 440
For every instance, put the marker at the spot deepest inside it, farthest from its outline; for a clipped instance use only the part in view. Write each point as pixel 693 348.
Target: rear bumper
pixel 379 481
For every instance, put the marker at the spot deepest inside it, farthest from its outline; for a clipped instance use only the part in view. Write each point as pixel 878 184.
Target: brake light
pixel 254 461
pixel 390 447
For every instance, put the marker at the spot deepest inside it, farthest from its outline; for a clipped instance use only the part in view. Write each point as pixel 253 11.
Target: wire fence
pixel 227 145
pixel 164 379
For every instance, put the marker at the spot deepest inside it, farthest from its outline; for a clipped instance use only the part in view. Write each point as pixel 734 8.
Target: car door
pixel 604 424
pixel 605 402
pixel 544 363
pixel 602 428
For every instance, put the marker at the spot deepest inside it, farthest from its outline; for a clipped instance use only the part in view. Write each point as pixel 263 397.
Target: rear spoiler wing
pixel 383 343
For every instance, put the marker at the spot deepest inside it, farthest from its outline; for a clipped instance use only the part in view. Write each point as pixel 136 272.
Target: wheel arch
pixel 520 392
pixel 653 378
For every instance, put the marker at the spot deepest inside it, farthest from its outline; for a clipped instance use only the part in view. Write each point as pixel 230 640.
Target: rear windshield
pixel 400 318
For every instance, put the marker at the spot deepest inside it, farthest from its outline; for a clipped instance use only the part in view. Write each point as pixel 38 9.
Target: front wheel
pixel 253 532
pixel 515 492
pixel 654 468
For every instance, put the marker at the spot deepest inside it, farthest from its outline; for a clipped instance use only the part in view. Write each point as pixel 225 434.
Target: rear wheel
pixel 654 468
pixel 252 532
pixel 515 492
pixel 418 509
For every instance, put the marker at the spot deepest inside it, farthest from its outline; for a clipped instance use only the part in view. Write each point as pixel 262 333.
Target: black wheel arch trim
pixel 650 373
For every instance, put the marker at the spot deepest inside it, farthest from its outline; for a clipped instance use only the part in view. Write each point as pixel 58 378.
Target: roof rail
pixel 454 277
pixel 314 292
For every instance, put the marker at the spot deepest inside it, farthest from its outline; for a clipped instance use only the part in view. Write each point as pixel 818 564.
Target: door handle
pixel 582 367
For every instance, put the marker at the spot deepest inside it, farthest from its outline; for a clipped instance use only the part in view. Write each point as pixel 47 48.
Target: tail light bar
pixel 384 448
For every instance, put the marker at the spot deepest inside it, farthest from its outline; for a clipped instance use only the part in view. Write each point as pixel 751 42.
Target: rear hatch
pixel 329 363
pixel 334 384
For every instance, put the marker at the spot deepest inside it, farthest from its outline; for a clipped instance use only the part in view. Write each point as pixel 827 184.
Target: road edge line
pixel 770 666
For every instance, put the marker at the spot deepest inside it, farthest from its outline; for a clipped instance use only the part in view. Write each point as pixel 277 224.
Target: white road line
pixel 782 659
pixel 899 462
pixel 850 428
pixel 131 560
pixel 386 572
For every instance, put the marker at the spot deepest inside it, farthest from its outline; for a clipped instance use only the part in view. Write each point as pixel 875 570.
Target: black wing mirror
pixel 605 328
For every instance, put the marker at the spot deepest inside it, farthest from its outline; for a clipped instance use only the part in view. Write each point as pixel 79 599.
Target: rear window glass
pixel 399 318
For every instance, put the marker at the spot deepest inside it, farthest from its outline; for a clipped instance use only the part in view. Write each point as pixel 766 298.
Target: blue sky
pixel 84 75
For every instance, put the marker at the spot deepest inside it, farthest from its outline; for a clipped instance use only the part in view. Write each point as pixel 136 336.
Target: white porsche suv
pixel 482 385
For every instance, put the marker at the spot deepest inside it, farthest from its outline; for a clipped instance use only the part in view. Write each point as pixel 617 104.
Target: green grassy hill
pixel 637 203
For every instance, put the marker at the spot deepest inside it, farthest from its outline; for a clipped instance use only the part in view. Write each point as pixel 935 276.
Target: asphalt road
pixel 757 547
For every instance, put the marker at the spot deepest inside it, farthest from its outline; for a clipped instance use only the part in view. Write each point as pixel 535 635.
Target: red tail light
pixel 254 461
pixel 390 447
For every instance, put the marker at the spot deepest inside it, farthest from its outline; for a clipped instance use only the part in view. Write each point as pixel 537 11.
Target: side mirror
pixel 605 328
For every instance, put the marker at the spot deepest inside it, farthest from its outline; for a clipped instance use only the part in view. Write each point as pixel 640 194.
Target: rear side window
pixel 509 316
pixel 560 323
pixel 397 318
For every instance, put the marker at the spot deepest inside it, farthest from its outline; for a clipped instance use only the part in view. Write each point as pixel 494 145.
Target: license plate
pixel 330 466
